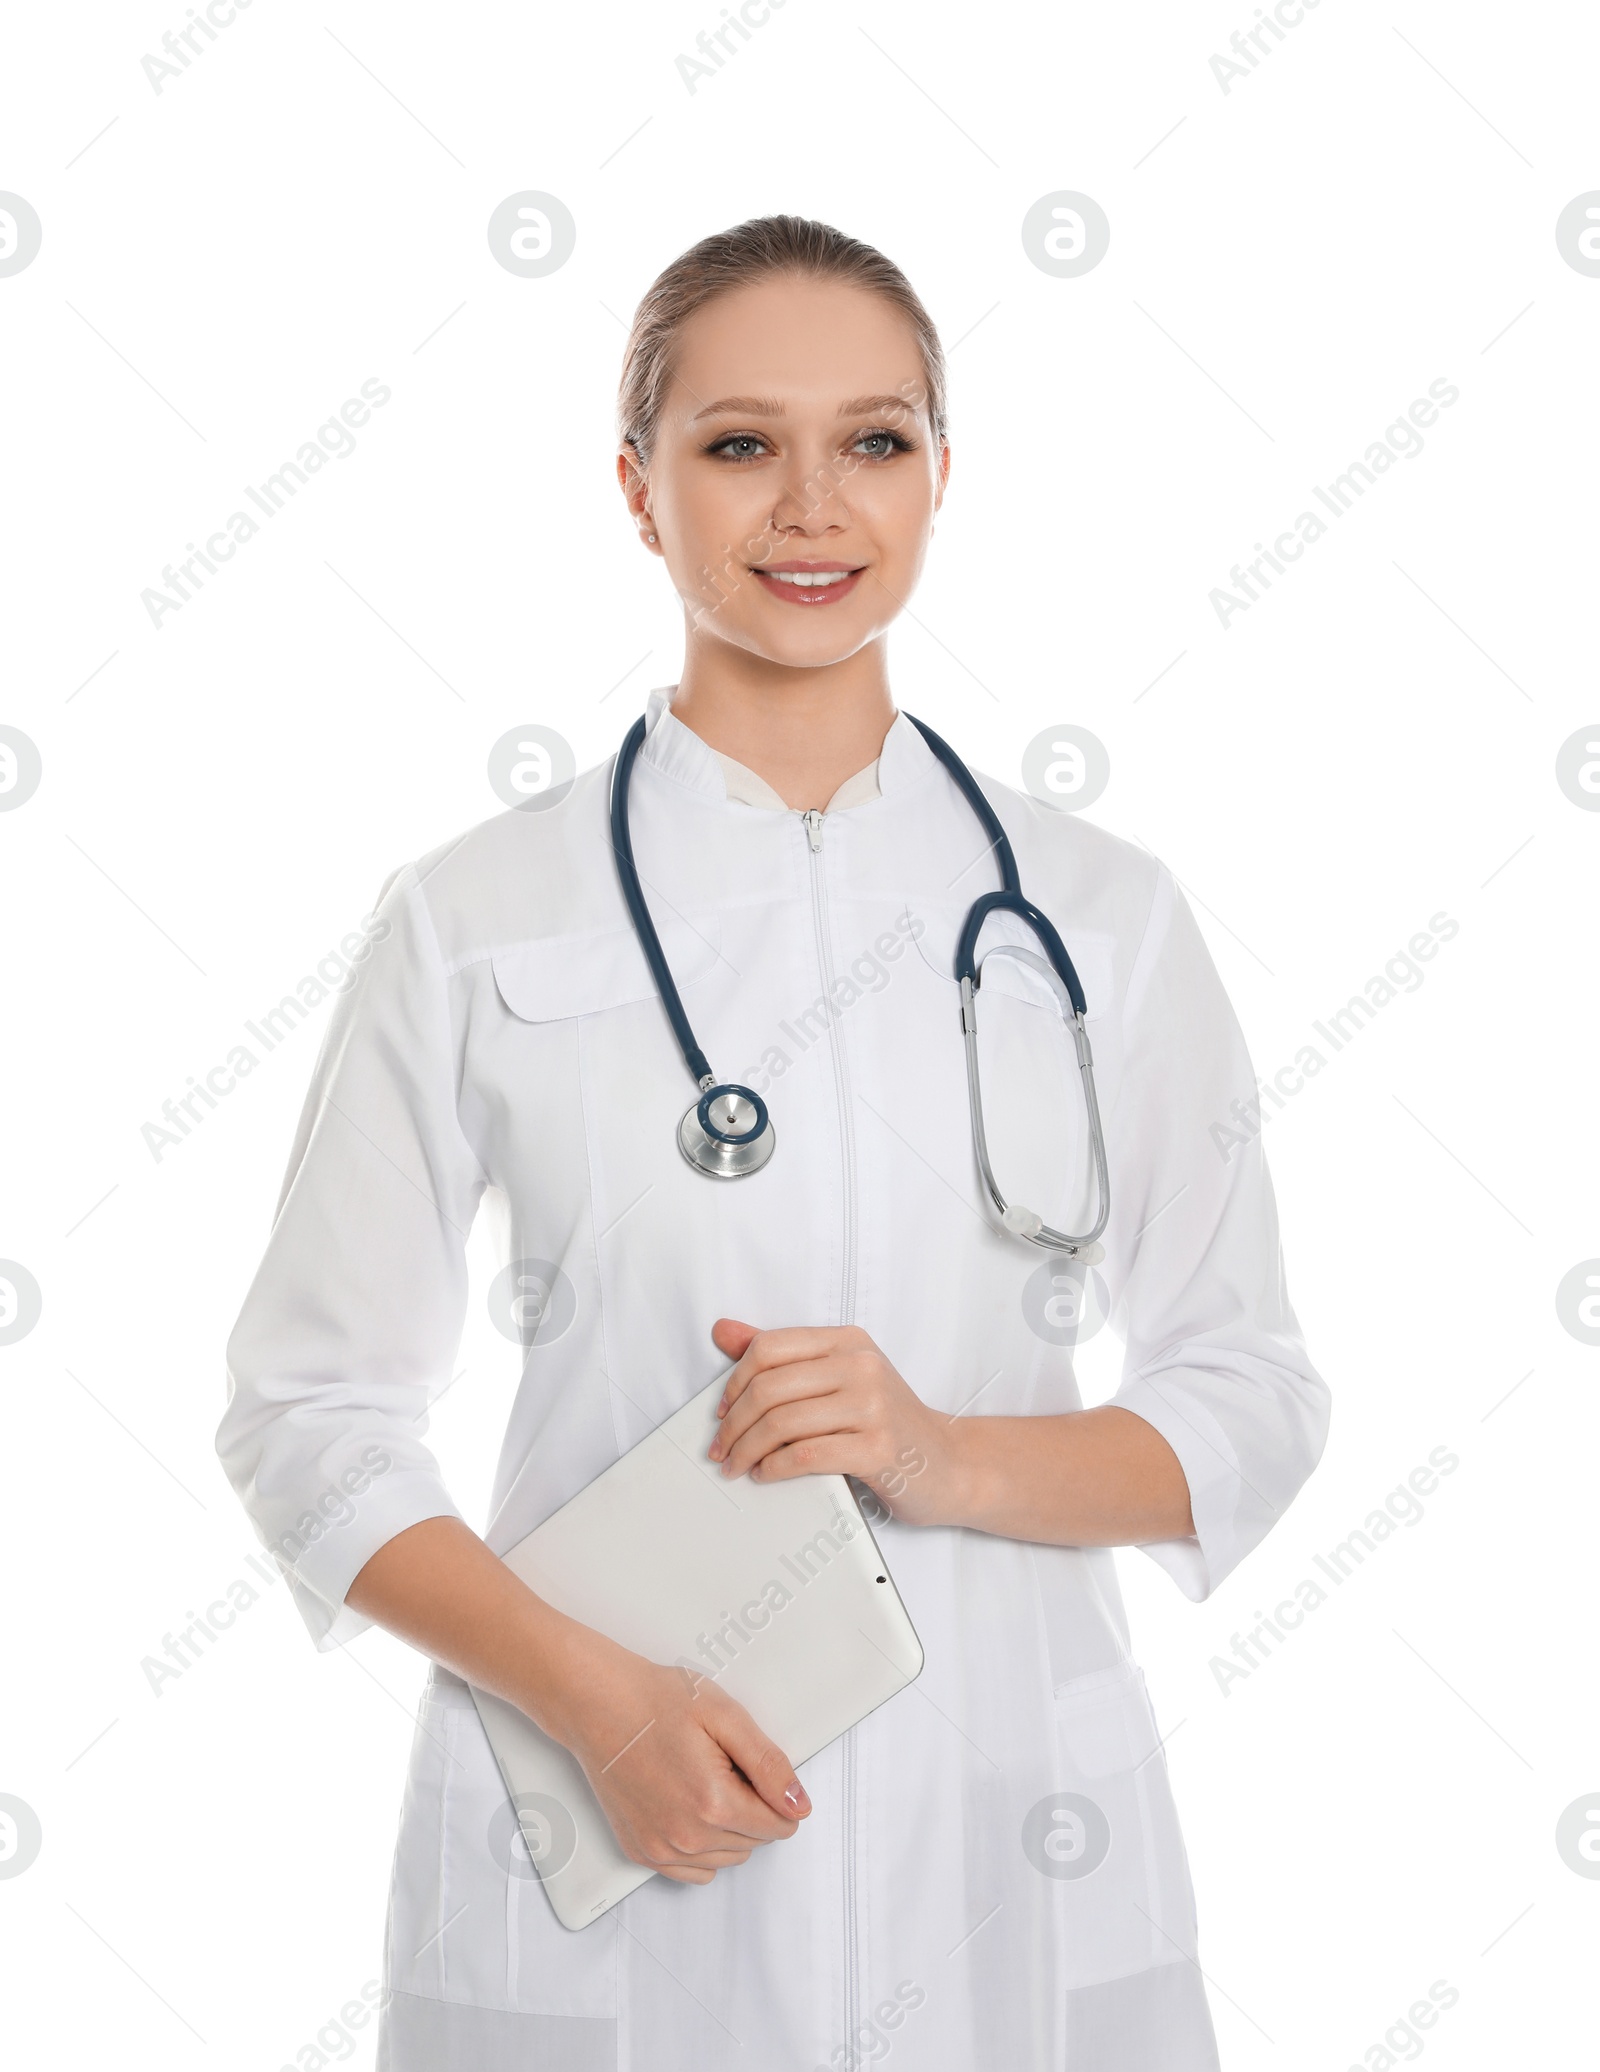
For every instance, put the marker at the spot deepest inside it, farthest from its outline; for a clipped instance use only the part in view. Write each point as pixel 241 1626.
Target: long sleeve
pixel 1214 1357
pixel 351 1324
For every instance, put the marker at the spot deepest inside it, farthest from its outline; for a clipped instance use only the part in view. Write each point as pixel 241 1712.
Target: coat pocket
pixel 576 1078
pixel 1093 955
pixel 558 977
pixel 1107 1839
pixel 469 1922
pixel 1105 1722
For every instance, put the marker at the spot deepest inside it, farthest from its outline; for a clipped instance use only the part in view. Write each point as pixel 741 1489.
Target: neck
pixel 804 730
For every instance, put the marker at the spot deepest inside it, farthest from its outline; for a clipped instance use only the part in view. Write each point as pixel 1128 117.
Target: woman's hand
pixel 663 1749
pixel 814 1401
pixel 827 1402
pixel 688 1781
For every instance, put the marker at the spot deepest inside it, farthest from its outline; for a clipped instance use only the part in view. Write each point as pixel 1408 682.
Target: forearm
pixel 1086 1478
pixel 437 1586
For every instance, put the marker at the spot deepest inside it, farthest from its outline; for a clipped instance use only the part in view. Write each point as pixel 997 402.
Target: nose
pixel 810 500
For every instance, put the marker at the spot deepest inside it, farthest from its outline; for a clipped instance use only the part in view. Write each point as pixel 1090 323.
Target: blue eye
pixel 745 446
pixel 746 439
pixel 892 443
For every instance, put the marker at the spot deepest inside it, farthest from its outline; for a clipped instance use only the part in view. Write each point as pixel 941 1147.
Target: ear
pixel 944 473
pixel 631 479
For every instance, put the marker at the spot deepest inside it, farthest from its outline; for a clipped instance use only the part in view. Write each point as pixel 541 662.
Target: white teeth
pixel 810 582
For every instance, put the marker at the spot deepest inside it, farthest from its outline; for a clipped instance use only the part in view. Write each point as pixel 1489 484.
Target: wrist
pixel 566 1667
pixel 969 1473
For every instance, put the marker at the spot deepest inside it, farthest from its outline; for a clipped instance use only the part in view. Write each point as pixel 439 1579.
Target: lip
pixel 810 599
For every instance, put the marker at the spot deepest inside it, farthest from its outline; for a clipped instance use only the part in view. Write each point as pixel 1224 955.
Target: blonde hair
pixel 752 251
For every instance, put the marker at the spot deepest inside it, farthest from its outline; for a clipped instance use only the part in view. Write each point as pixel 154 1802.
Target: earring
pixel 650 536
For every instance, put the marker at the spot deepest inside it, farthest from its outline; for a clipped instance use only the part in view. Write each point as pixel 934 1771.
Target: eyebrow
pixel 769 406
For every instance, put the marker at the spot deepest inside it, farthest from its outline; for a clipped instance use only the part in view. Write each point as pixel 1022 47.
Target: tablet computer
pixel 776 1591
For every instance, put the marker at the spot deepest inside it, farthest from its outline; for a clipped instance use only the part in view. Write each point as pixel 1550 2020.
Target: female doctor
pixel 988 1870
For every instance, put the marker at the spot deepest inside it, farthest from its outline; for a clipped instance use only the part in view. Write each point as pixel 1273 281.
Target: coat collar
pixel 677 752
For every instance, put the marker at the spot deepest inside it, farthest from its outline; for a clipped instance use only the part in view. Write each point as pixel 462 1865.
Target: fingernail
pixel 796 1797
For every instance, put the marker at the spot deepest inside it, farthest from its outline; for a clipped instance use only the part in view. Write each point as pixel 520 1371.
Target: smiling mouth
pixel 810 584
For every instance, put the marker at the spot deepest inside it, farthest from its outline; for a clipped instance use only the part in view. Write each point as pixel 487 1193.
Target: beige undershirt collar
pixel 750 790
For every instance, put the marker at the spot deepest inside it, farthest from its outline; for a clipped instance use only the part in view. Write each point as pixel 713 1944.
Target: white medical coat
pixel 993 1874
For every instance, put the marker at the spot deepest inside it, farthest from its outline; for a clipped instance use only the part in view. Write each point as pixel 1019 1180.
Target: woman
pixel 987 1871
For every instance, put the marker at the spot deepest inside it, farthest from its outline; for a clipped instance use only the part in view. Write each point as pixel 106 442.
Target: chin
pixel 824 646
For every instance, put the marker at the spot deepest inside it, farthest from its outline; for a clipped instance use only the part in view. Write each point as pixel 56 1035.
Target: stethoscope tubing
pixel 645 928
pixel 968 972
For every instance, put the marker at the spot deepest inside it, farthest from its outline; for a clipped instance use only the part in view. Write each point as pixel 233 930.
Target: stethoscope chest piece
pixel 727 1133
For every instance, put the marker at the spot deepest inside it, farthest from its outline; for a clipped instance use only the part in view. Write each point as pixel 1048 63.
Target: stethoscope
pixel 727 1133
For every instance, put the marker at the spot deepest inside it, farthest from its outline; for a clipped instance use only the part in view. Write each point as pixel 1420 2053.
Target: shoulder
pixel 1117 902
pixel 524 872
pixel 1070 865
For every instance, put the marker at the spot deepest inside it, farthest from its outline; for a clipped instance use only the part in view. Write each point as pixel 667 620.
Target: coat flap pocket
pixel 1093 955
pixel 1091 959
pixel 550 978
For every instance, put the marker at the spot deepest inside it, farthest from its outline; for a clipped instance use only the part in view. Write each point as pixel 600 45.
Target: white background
pixel 1292 262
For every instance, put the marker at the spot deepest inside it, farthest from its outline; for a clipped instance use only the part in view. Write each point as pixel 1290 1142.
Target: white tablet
pixel 777 1591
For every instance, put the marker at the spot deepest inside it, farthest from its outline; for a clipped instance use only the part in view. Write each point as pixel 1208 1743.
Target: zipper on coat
pixel 841 1067
pixel 847 1302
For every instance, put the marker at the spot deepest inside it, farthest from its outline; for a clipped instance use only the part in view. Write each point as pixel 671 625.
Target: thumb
pixel 732 1337
pixel 763 1762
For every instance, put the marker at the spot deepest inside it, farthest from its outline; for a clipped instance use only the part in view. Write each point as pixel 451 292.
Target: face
pixel 794 479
